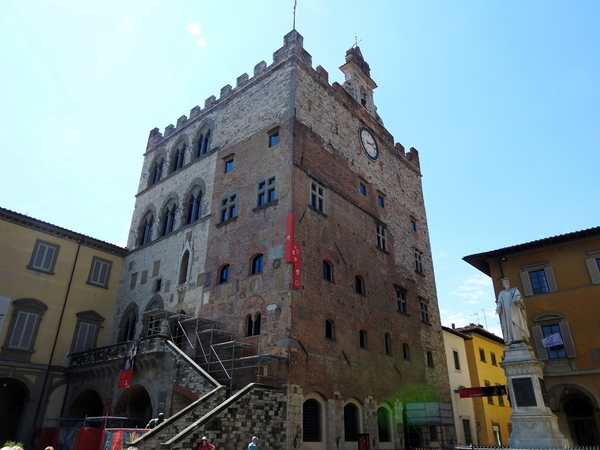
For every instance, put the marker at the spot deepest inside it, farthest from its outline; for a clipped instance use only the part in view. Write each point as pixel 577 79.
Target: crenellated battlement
pixel 292 45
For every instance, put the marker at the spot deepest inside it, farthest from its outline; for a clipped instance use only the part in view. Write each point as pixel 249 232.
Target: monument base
pixel 533 423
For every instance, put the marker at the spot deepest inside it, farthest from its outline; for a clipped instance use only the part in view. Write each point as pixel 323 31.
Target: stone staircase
pixel 228 422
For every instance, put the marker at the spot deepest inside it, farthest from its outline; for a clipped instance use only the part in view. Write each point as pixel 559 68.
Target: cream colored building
pixel 57 294
pixel 458 373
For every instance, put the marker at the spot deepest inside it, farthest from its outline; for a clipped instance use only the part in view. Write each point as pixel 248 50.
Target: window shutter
pixel 4 303
pixel 85 337
pixel 38 261
pixel 550 278
pixel 592 266
pixel 49 258
pixel 526 282
pixel 23 330
pixel 539 347
pixel 565 331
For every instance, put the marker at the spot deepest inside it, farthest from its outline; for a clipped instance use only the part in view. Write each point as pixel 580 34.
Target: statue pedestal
pixel 533 423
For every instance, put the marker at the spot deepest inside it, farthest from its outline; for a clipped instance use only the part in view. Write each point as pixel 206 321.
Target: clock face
pixel 368 143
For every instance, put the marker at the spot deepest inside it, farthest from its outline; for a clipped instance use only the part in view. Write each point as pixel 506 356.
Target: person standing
pixel 205 445
pixel 253 445
pixel 511 311
pixel 155 422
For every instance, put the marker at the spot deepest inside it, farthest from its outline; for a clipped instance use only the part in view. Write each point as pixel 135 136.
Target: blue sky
pixel 501 98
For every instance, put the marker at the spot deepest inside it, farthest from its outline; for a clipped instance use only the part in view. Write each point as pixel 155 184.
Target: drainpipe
pixel 49 367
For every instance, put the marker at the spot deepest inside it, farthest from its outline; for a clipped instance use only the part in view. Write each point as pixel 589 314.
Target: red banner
pixel 470 392
pixel 482 391
pixel 292 250
pixel 125 379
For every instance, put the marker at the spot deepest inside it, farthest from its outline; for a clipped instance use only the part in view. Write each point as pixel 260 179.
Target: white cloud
pixel 202 42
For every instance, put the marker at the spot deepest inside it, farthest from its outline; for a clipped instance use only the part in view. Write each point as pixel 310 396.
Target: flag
pixel 127 365
pixel 552 341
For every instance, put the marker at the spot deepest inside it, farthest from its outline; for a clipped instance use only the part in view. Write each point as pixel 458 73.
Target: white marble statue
pixel 511 310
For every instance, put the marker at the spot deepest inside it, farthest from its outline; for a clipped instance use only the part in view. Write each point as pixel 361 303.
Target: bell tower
pixel 358 82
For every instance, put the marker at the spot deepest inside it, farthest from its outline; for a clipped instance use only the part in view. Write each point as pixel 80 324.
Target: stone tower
pixel 284 214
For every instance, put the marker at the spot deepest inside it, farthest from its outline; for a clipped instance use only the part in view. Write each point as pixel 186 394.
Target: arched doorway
pixel 579 411
pixel 13 396
pixel 134 403
pixel 86 404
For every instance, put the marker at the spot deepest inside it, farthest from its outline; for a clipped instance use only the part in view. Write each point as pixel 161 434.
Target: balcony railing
pixel 151 344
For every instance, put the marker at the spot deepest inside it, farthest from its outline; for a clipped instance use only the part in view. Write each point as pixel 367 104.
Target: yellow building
pixel 492 414
pixel 57 290
pixel 559 278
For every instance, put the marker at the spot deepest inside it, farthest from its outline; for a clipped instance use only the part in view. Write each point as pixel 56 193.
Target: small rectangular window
pixel 381 239
pixel 266 191
pixel 362 338
pixel 424 312
pixel 413 224
pixel 380 201
pixel 482 355
pixel 558 350
pixel 362 188
pixel 274 139
pixel 99 272
pixel 316 196
pixel 328 329
pixel 228 207
pixel 401 300
pixel 44 256
pixel 456 360
pixel 388 344
pixel 418 262
pixel 539 283
pixel 229 165
pixel 493 359
pixel 500 397
pixel 490 398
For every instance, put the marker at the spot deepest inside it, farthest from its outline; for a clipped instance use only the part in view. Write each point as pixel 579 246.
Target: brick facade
pixel 288 126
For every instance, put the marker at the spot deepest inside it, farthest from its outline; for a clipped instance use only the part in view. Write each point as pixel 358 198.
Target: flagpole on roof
pixel 294 24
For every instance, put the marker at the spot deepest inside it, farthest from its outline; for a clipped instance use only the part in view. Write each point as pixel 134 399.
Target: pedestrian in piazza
pixel 254 444
pixel 205 445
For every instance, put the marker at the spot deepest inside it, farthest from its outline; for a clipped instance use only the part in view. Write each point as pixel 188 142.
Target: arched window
pixel 156 171
pixel 359 285
pixel 194 207
pixel 207 142
pixel 405 351
pixel 257 264
pixel 311 421
pixel 329 329
pixel 388 344
pixel 178 157
pixel 384 425
pixel 362 337
pixel 203 144
pixel 200 143
pixel 224 274
pixel 253 325
pixel 351 422
pixel 183 267
pixel 145 233
pixel 169 219
pixel 127 328
pixel 429 359
pixel 327 271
